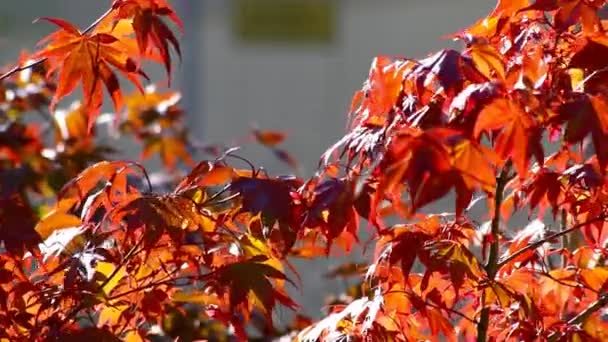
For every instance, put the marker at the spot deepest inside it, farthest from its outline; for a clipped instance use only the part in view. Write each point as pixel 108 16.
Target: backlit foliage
pixel 94 247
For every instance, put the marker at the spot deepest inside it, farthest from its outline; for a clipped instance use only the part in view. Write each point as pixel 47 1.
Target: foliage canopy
pixel 95 248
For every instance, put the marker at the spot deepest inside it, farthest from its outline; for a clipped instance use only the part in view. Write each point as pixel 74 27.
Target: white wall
pixel 306 90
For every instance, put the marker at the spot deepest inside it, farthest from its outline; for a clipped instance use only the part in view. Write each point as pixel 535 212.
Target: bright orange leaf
pixel 81 57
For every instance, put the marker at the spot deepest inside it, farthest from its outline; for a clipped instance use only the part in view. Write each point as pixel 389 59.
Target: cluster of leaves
pixel 91 249
pixel 531 77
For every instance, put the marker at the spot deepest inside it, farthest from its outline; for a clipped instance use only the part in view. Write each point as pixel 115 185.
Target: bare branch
pixel 583 315
pixel 492 266
pixel 554 236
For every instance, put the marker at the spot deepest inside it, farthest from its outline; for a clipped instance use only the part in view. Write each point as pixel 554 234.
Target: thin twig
pixel 554 236
pixel 166 281
pixel 579 87
pixel 98 21
pixel 19 68
pixel 83 304
pixel 582 316
pixel 456 312
pixel 565 245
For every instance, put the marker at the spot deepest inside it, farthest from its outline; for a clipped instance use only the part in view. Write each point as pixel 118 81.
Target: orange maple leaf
pixel 87 58
pixel 519 136
pixel 151 32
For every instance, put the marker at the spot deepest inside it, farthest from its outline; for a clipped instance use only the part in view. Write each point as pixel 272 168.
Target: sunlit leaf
pixel 111 276
pixel 487 60
pixel 85 58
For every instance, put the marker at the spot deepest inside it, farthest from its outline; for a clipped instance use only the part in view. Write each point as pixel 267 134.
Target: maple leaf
pixel 487 60
pixel 433 162
pixel 497 21
pixel 269 196
pixel 381 90
pixel 89 334
pixel 519 137
pixel 467 104
pixel 110 276
pixel 205 174
pixel 332 209
pixel 59 230
pixel 532 70
pixel 19 141
pixel 17 224
pixel 586 115
pixel 453 259
pixel 570 12
pixel 157 215
pixel 86 58
pixel 171 148
pixel 361 310
pixel 401 245
pixel 445 71
pixel 249 282
pixel 71 125
pixel 150 30
pixel 590 54
pixel 268 138
pixel 115 189
pixel 544 191
pixel 146 111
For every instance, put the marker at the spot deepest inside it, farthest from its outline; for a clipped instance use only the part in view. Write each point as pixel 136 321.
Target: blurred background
pixel 287 65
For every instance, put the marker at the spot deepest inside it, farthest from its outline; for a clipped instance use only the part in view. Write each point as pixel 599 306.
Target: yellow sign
pixel 276 21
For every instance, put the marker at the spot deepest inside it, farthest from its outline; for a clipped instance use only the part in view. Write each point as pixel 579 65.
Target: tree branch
pixel 565 245
pixel 21 68
pixel 83 305
pixel 492 265
pixel 554 236
pixel 583 315
pixel 98 21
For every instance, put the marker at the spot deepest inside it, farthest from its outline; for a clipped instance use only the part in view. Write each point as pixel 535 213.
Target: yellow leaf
pixel 111 314
pixel 199 196
pixel 595 278
pixel 133 336
pixel 195 297
pixel 56 220
pixel 485 27
pixel 108 269
pixel 487 59
pixel 253 246
pixel 576 79
pixel 496 293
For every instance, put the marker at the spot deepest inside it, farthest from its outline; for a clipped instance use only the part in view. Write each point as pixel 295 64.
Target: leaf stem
pixel 492 264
